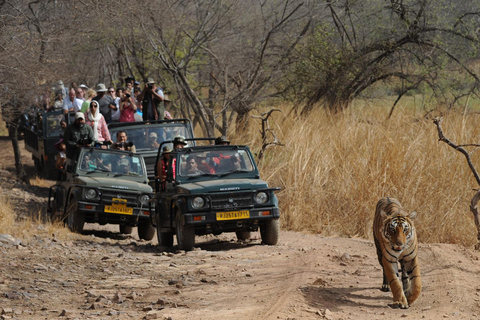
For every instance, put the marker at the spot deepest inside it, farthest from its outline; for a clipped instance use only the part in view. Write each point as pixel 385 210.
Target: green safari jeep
pixel 211 190
pixel 104 186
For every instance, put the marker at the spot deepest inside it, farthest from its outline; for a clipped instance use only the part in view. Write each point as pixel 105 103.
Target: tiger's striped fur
pixel 396 242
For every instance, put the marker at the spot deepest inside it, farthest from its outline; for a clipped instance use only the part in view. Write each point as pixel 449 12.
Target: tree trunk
pixel 21 174
pixel 476 216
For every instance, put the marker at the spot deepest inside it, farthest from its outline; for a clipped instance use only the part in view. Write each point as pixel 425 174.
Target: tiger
pixel 396 242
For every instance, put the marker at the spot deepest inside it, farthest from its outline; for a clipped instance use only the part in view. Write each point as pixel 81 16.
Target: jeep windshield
pixel 117 163
pixel 218 162
pixel 148 137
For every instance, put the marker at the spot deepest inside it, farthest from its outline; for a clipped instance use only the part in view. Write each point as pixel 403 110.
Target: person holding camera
pixel 122 143
pixel 152 101
pixel 77 135
pixel 127 108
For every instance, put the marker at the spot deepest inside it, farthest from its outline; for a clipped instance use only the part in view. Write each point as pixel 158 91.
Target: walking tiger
pixel 396 242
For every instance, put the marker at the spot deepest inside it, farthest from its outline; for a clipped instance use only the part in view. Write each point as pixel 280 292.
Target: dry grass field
pixel 333 169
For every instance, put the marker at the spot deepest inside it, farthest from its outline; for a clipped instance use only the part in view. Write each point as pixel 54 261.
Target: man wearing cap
pixel 222 141
pixel 106 103
pixel 77 135
pixel 179 142
pixel 152 101
pixel 152 141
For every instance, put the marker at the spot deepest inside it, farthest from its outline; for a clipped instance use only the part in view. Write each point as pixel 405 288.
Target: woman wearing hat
pixel 97 122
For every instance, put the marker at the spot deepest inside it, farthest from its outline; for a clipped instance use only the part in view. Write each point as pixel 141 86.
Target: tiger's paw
pixel 385 288
pixel 399 304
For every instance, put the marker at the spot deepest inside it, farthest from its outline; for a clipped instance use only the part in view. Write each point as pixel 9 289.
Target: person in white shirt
pixel 79 99
pixel 68 101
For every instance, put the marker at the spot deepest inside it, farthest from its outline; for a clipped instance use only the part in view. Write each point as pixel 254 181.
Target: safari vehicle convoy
pixel 104 186
pixel 147 136
pixel 210 190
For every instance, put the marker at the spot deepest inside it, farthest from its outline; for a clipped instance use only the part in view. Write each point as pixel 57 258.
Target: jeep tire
pixel 145 230
pixel 185 234
pixel 126 229
pixel 270 231
pixel 243 235
pixel 75 219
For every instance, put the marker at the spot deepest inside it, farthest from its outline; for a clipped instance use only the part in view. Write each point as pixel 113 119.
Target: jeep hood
pixel 114 183
pixel 223 185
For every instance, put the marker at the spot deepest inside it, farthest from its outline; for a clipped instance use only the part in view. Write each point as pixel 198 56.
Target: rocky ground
pixel 104 275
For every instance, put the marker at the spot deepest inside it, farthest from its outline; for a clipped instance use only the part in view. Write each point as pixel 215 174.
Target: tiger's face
pixel 398 231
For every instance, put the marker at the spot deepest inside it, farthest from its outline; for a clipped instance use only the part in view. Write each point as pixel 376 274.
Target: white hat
pixel 83 86
pixel 101 87
pixel 153 134
pixel 79 115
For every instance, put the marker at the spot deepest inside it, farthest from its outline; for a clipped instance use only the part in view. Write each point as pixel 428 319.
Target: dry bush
pixel 7 215
pixel 334 169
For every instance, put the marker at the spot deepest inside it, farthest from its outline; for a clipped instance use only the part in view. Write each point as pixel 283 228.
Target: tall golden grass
pixel 334 168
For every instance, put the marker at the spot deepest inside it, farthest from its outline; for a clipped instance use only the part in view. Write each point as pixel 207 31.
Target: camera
pixel 124 145
pixel 150 86
pixel 127 95
pixel 84 141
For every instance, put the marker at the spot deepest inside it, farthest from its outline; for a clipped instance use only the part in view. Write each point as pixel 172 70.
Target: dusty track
pixel 104 275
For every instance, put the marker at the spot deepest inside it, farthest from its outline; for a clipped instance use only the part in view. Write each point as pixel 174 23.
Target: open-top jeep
pixel 211 190
pixel 140 133
pixel 106 187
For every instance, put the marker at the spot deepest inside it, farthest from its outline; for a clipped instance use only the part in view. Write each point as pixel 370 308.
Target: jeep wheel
pixel 269 231
pixel 243 235
pixel 53 214
pixel 145 230
pixel 185 235
pixel 165 239
pixel 126 229
pixel 75 219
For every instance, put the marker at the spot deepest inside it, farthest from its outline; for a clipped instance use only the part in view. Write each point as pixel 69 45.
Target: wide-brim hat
pixel 179 140
pixel 150 81
pixel 166 149
pixel 222 139
pixel 83 86
pixel 124 162
pixel 101 88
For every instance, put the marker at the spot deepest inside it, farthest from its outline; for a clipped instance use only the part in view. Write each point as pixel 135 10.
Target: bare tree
pixel 404 45
pixel 461 149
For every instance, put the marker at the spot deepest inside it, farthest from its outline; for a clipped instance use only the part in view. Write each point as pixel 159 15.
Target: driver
pixel 123 166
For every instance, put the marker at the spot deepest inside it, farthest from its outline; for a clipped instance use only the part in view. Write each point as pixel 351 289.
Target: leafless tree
pixel 404 45
pixel 461 149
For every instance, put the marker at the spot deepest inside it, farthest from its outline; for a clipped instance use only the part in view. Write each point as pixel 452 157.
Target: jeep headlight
pixel 261 197
pixel 144 199
pixel 198 203
pixel 91 194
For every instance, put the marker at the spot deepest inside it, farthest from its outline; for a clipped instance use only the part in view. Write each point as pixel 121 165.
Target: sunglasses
pixel 111 91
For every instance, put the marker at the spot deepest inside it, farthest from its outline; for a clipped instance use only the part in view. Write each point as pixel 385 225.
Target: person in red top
pixel 128 108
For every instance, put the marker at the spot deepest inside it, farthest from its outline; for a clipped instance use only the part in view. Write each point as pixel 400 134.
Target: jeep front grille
pixel 107 197
pixel 231 200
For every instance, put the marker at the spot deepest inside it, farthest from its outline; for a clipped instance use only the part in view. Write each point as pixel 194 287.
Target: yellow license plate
pixel 119 206
pixel 233 215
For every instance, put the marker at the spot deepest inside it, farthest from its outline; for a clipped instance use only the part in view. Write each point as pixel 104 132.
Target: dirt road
pixel 104 275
